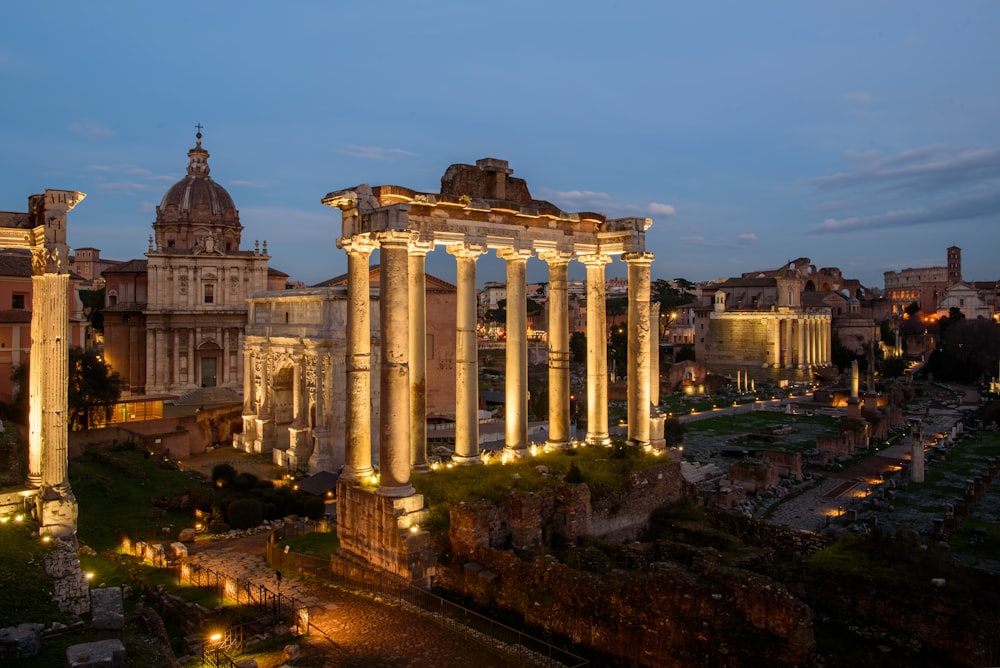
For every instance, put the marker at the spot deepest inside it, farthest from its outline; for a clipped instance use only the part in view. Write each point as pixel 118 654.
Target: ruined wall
pixel 529 523
pixel 673 618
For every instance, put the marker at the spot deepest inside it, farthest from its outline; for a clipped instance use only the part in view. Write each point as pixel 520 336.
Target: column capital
pixel 553 257
pixel 396 237
pixel 362 244
pixel 467 250
pixel 513 254
pixel 638 258
pixel 594 259
pixel 421 247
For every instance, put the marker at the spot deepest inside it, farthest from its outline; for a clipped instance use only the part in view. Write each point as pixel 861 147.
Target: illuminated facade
pixel 926 286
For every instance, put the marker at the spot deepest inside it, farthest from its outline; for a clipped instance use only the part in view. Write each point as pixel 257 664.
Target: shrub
pixel 314 508
pixel 223 475
pixel 575 475
pixel 245 513
pixel 245 482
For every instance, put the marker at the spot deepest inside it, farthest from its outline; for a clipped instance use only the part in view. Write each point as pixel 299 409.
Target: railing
pixel 356 577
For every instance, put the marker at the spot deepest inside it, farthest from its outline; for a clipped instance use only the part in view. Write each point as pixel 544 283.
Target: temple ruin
pixel 480 208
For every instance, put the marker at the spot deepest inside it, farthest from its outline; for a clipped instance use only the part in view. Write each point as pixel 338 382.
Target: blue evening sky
pixel 861 134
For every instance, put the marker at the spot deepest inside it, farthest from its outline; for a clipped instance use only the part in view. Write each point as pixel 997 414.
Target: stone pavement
pixel 348 629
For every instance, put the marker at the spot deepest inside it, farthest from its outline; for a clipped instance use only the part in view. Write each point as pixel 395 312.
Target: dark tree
pixel 93 302
pixel 618 350
pixel 684 353
pixel 841 355
pixel 578 347
pixel 673 432
pixel 671 295
pixel 93 387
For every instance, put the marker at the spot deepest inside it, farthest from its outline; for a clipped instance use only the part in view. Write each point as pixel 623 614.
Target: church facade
pixel 177 323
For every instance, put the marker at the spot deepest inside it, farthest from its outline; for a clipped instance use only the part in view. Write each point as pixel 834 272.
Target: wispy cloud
pixel 375 152
pixel 125 186
pixel 859 97
pixel 739 240
pixel 918 170
pixel 977 205
pixel 657 209
pixel 129 170
pixel 929 184
pixel 247 184
pixel 90 129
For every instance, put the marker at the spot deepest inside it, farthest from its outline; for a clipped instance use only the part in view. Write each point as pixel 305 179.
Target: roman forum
pixel 480 208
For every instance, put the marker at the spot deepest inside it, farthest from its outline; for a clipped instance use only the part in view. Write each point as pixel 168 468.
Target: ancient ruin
pixel 480 208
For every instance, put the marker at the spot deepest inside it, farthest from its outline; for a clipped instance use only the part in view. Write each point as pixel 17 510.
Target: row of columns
pixel 801 341
pixel 402 429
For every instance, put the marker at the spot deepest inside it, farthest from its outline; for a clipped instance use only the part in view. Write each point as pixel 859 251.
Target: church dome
pixel 195 208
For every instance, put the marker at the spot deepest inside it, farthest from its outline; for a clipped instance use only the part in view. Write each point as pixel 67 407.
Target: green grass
pixel 24 585
pixel 603 473
pixel 315 544
pixel 116 496
pixel 759 421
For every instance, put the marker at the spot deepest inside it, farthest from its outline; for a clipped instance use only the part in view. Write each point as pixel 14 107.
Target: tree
pixel 578 347
pixel 671 295
pixel 93 302
pixel 93 386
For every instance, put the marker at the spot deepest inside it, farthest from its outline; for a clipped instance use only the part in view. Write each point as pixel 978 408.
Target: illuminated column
pixel 827 341
pixel 559 354
pixel 358 449
pixel 322 455
pixel 418 354
pixel 249 402
pixel 774 340
pixel 813 341
pixel 597 351
pixel 516 382
pixel 466 355
pixel 638 347
pixel 787 341
pixel 298 389
pixel 803 342
pixel 394 377
pixel 654 354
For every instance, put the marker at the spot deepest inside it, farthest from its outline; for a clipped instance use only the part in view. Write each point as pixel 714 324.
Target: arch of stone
pixel 42 230
pixel 480 208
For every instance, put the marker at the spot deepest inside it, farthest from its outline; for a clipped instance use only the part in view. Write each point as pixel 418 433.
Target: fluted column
pixel 418 354
pixel 321 458
pixel 597 351
pixel 358 449
pixel 558 342
pixel 638 347
pixel 394 377
pixel 827 340
pixel 516 381
pixel 466 355
pixel 298 390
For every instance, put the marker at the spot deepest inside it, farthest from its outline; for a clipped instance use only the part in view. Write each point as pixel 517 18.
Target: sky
pixel 864 135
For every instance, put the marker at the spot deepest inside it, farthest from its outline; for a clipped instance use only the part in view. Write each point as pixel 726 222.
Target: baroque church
pixel 175 321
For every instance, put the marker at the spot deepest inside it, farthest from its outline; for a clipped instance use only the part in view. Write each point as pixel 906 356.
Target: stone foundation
pixel 385 531
pixel 69 588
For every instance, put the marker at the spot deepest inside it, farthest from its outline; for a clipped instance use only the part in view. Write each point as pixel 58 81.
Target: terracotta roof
pixel 15 263
pixel 433 282
pixel 130 267
pixel 14 316
pixel 271 271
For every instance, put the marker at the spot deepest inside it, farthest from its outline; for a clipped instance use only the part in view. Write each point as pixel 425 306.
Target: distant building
pixel 925 286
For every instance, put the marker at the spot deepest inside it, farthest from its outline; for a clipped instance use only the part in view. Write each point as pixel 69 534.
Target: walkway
pixel 348 629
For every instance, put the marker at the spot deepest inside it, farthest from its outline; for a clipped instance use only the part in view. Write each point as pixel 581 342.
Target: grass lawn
pixel 116 491
pixel 24 585
pixel 315 544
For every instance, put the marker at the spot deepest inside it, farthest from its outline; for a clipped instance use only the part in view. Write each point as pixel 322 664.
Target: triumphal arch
pixel 480 208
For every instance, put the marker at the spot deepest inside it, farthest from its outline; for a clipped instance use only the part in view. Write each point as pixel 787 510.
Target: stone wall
pixel 530 523
pixel 672 618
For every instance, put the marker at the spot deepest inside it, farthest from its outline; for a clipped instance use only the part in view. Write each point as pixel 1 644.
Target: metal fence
pixel 525 649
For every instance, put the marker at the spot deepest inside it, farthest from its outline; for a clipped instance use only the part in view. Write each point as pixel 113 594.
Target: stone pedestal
pixel 264 442
pixel 385 531
pixel 300 446
pixel 322 458
pixel 656 438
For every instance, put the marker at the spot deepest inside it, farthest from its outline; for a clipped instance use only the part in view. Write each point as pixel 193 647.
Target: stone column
pixel 654 355
pixel 559 353
pixel 321 458
pixel 394 377
pixel 597 351
pixel 787 339
pixel 418 355
pixel 466 355
pixel 803 326
pixel 358 449
pixel 516 382
pixel 638 347
pixel 774 341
